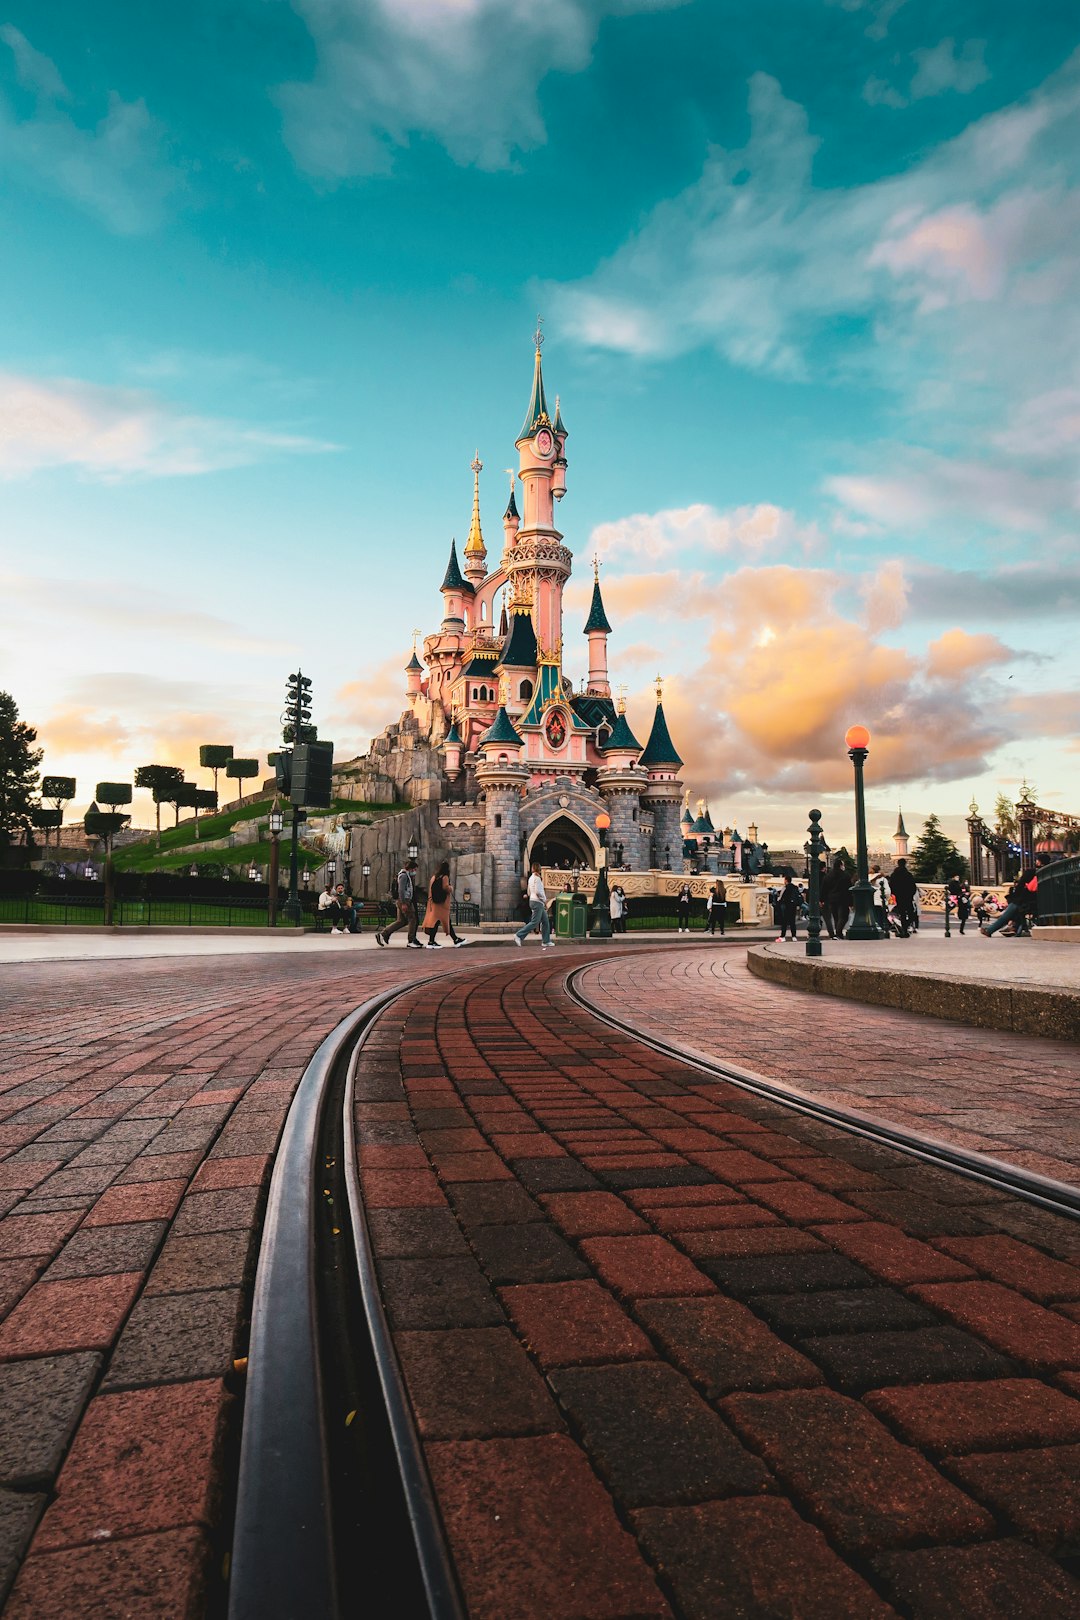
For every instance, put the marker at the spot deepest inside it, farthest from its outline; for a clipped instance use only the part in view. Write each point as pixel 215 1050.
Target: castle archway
pixel 563 840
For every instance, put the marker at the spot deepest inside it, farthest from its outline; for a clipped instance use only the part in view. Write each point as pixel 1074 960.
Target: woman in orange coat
pixel 440 895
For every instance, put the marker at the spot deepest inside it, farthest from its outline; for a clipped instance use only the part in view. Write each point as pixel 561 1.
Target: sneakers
pixel 432 945
pixel 337 930
pixel 413 945
pixel 458 943
pixel 517 941
pixel 551 944
pixel 379 939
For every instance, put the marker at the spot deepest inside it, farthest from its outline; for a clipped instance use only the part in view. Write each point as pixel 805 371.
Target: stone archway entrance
pixel 562 841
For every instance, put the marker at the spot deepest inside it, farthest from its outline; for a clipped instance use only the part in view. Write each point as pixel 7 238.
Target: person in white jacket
pixel 539 918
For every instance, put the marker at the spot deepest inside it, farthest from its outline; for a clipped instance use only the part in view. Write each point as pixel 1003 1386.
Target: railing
pixel 89 911
pixel 1059 893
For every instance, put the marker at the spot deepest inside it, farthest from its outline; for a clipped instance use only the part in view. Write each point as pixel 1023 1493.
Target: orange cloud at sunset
pixel 956 654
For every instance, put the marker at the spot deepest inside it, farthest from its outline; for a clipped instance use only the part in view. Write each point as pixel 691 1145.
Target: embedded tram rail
pixel 335 1499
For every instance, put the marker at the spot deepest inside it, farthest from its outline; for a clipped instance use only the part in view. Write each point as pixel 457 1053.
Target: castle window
pixel 498 821
pixel 525 691
pixel 635 815
pixel 483 611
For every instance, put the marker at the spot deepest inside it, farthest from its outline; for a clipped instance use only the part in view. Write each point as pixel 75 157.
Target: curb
pixel 986 1004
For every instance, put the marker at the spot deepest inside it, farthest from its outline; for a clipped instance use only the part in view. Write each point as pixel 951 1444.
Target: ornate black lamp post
pixel 863 922
pixel 601 928
pixel 813 854
pixel 277 827
pixel 366 873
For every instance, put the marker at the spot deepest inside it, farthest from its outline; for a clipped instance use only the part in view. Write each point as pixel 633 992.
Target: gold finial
pixel 512 475
pixel 538 335
pixel 659 689
pixel 596 567
pixel 474 545
pixel 415 637
pixel 622 699
pixel 973 808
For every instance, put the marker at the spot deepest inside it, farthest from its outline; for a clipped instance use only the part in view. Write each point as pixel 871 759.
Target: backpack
pixel 393 888
pixel 438 890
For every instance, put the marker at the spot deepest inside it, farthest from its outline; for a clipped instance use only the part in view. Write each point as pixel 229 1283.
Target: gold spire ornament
pixel 659 689
pixel 474 545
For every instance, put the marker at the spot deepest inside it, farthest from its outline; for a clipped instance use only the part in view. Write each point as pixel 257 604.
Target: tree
pixel 1005 816
pixel 19 761
pixel 936 858
pixel 60 789
pixel 205 799
pixel 183 797
pixel 161 780
pixel 214 757
pixel 240 769
pixel 105 825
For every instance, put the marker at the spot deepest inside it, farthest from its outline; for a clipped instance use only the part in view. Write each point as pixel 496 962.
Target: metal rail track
pixel 334 1512
pixel 1056 1196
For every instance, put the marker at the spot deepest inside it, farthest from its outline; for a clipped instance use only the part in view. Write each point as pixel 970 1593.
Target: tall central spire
pixel 537 414
pixel 475 550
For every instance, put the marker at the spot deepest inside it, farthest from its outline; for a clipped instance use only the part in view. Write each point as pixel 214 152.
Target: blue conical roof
pixel 414 663
pixel 453 735
pixel 511 506
pixel 501 730
pixel 537 414
pixel 659 750
pixel 453 579
pixel 597 619
pixel 622 739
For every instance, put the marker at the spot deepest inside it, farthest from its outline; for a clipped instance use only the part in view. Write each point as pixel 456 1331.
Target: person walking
pixel 839 898
pixel 440 896
pixel 682 906
pixel 824 887
pixel 717 904
pixel 1020 903
pixel 329 908
pixel 963 905
pixel 787 909
pixel 408 914
pixel 538 915
pixel 904 890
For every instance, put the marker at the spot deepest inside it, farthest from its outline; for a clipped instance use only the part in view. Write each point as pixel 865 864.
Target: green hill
pixel 180 847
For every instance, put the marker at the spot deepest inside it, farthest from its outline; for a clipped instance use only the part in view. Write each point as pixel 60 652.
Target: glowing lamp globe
pixel 603 821
pixel 856 737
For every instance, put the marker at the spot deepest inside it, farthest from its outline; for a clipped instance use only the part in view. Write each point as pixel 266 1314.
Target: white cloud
pixel 115 168
pixel 944 68
pixel 110 433
pixel 744 530
pixel 922 488
pixel 467 72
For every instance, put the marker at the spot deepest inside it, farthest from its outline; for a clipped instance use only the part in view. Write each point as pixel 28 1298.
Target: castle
pixel 504 762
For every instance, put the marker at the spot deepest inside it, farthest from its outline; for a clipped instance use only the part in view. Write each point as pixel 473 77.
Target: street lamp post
pixel 813 852
pixel 294 912
pixel 863 922
pixel 366 872
pixel 601 928
pixel 277 827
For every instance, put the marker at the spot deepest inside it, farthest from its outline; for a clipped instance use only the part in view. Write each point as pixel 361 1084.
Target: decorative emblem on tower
pixel 555 729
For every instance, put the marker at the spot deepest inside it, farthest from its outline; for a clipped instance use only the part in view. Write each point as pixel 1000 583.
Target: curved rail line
pixel 1057 1196
pixel 325 1399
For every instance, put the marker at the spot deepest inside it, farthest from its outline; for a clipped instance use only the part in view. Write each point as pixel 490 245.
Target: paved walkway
pixel 967 957
pixel 671 1351
pixel 1014 1096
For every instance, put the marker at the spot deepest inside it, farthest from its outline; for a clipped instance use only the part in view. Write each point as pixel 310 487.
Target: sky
pixel 809 273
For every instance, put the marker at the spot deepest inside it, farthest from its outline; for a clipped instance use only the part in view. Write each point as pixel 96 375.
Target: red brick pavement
pixel 808 1408
pixel 140 1107
pixel 667 1353
pixel 1016 1097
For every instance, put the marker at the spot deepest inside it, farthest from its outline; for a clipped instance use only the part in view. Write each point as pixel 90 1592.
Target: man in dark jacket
pixel 904 889
pixel 408 915
pixel 839 898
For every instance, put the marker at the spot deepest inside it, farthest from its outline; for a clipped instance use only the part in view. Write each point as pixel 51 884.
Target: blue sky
pixel 809 273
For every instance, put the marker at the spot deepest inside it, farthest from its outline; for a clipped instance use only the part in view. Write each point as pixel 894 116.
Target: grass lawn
pixel 179 846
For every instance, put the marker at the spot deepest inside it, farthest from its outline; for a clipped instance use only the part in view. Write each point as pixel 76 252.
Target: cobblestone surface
pixel 1016 1097
pixel 809 1407
pixel 672 1351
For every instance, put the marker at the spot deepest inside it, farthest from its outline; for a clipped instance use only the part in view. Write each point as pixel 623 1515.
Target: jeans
pixel 1012 913
pixel 407 917
pixel 539 920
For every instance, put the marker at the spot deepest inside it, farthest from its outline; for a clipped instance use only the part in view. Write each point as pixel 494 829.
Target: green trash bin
pixel 571 916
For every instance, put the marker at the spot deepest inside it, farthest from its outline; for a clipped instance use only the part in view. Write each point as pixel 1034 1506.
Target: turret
pixel 453 747
pixel 475 550
pixel 664 792
pixel 511 517
pixel 414 676
pixel 597 629
pixel 456 590
pixel 500 741
pixel 900 837
pixel 558 472
pixel 622 748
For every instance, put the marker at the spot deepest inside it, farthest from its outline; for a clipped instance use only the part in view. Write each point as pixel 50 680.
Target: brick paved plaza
pixel 671 1349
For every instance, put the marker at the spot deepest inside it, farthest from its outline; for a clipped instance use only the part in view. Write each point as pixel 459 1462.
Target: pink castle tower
pixel 538 552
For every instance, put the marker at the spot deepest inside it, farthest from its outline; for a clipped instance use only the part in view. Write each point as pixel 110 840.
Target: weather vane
pixel 510 473
pixel 415 635
pixel 659 688
pixel 538 335
pixel 596 567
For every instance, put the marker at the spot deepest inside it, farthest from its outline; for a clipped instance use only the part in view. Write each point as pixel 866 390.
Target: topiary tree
pixel 60 789
pixel 161 781
pixel 935 857
pixel 242 769
pixel 19 761
pixel 105 824
pixel 214 757
pixel 205 799
pixel 183 797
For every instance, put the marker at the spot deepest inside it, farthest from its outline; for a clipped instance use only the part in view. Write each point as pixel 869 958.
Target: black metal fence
pixel 1059 893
